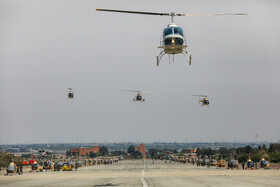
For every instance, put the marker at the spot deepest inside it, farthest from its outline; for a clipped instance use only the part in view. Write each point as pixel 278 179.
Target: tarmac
pixel 145 173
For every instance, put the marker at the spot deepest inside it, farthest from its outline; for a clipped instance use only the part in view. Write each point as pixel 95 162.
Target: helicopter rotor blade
pixel 199 95
pixel 143 91
pixel 131 90
pixel 168 14
pixel 219 14
pixel 135 12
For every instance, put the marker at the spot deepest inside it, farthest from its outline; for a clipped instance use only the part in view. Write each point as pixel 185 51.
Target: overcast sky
pixel 48 46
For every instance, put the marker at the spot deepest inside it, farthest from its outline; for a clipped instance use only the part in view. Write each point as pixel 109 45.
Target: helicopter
pixel 232 163
pixel 138 97
pixel 12 168
pixel 203 100
pixel 173 40
pixel 70 94
pixel 264 163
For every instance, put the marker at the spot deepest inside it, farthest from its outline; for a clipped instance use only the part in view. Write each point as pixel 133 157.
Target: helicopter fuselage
pixel 139 98
pixel 173 42
pixel 204 101
pixel 70 95
pixel 173 39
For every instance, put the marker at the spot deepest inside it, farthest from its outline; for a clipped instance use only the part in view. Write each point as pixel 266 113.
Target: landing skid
pixel 184 52
pixel 188 56
pixel 160 56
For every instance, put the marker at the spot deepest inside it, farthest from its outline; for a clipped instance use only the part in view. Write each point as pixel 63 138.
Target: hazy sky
pixel 48 46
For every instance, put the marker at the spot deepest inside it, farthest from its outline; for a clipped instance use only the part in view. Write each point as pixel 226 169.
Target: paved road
pixel 138 173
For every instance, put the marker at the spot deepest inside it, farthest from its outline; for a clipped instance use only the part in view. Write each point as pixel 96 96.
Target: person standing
pixel 20 168
pixel 76 166
pixel 18 171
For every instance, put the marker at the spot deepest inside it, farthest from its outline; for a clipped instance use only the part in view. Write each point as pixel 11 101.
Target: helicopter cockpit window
pixel 167 41
pixel 167 31
pixel 179 41
pixel 178 30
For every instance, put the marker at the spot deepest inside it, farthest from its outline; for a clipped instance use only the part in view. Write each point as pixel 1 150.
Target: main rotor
pixel 172 14
pixel 138 91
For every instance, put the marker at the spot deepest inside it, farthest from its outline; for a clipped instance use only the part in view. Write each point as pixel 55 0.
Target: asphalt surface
pixel 139 173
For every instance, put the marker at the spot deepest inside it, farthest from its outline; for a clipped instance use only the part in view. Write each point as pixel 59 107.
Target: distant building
pixel 84 151
pixel 141 149
pixel 94 149
pixel 189 150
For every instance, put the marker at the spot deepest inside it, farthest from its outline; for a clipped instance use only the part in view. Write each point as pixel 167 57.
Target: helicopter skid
pixel 184 52
pixel 160 56
pixel 189 57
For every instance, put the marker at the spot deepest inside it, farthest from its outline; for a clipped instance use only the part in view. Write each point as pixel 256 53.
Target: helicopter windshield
pixel 172 30
pixel 178 30
pixel 167 31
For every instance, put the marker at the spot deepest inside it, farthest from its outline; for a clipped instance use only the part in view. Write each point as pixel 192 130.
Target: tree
pixel 264 147
pixel 91 154
pixel 256 157
pixel 248 149
pixel 103 150
pixel 273 148
pixel 242 158
pixel 275 157
pixel 137 155
pixel 131 149
pixel 266 156
pixel 68 153
pixel 224 152
pixel 26 155
pixel 7 158
pixel 117 153
pixel 153 152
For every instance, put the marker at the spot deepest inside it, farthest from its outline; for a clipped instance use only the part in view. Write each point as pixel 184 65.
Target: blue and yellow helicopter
pixel 203 100
pixel 138 97
pixel 173 40
pixel 70 94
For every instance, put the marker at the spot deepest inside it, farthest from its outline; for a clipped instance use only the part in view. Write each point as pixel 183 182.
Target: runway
pixel 139 173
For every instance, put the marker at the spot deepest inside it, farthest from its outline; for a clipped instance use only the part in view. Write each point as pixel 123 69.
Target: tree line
pixel 242 154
